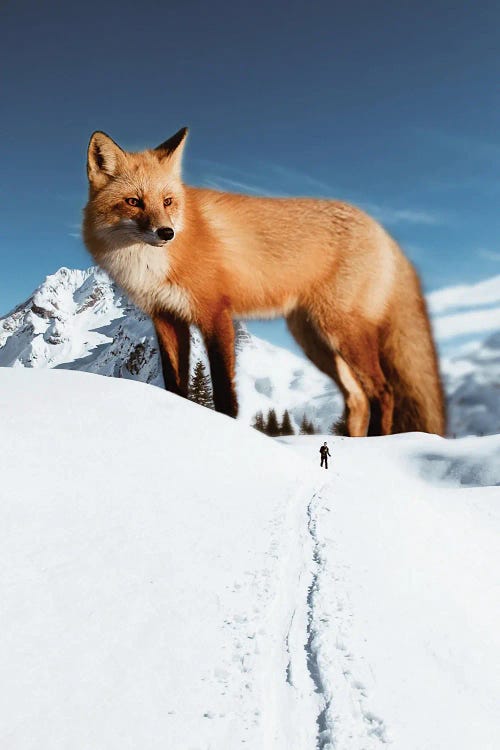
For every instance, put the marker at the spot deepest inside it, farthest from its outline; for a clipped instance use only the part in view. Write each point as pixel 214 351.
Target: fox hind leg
pixel 352 361
pixel 357 403
pixel 361 354
pixel 323 355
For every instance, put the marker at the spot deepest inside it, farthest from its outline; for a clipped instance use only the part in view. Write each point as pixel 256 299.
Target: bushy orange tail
pixel 411 366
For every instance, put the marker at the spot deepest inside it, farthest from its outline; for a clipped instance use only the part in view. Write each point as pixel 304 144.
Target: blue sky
pixel 393 106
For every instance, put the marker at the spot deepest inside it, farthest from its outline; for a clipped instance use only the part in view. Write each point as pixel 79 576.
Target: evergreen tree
pixel 340 426
pixel 304 426
pixel 312 428
pixel 286 425
pixel 200 389
pixel 307 427
pixel 258 422
pixel 272 426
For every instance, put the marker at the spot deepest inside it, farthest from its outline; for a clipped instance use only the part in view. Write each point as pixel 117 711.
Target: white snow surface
pixel 170 578
pixel 406 597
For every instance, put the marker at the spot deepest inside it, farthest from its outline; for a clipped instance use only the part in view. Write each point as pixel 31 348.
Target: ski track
pixel 271 674
pixel 323 735
pixel 344 720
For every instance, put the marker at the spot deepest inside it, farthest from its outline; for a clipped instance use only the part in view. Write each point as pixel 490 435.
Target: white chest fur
pixel 142 271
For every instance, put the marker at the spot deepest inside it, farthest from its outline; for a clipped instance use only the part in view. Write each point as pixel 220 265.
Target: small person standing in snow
pixel 324 455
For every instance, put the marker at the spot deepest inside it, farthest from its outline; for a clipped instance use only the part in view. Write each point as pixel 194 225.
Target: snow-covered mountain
pixel 466 322
pixel 236 595
pixel 473 385
pixel 79 320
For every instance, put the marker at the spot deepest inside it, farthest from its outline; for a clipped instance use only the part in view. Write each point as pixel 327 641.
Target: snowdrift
pixel 170 578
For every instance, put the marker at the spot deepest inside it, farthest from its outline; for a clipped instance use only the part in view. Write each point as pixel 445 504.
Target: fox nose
pixel 165 233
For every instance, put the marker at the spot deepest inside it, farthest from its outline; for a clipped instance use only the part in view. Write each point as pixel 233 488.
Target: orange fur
pixel 351 298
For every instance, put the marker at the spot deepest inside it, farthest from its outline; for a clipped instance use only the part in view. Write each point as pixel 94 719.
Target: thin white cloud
pixel 489 255
pixel 392 216
pixel 297 177
pixel 271 179
pixel 462 324
pixel 479 148
pixel 465 296
pixel 226 183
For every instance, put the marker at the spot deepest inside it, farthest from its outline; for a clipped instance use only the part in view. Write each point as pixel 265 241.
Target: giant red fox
pixel 189 255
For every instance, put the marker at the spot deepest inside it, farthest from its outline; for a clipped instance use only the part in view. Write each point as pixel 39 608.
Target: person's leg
pixel 326 462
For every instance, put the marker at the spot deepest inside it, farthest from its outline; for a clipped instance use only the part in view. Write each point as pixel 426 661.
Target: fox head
pixel 134 198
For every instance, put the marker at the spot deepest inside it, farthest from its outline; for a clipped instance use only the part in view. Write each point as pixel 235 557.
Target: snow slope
pixel 406 597
pixel 172 578
pixel 149 572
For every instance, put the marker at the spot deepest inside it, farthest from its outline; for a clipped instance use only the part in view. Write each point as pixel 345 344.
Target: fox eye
pixel 132 201
pixel 167 201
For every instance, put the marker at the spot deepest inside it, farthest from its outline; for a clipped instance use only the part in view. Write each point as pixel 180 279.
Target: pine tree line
pixel 270 425
pixel 307 427
pixel 200 391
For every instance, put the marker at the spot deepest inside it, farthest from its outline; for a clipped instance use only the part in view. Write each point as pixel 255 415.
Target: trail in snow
pixel 323 733
pixel 346 720
pixel 403 640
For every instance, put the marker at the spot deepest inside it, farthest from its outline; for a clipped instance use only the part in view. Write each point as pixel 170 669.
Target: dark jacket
pixel 324 450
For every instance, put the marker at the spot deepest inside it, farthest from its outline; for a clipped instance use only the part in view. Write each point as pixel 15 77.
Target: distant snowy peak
pixel 473 386
pixel 80 320
pixel 466 321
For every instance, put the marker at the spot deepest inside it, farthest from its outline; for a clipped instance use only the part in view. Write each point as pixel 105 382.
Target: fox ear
pixel 173 149
pixel 103 159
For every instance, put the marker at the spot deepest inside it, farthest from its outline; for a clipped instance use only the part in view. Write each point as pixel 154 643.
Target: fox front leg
pixel 219 341
pixel 174 344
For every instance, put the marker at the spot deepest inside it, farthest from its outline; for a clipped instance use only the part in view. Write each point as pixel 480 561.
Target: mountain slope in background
pixel 466 322
pixel 473 386
pixel 79 320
